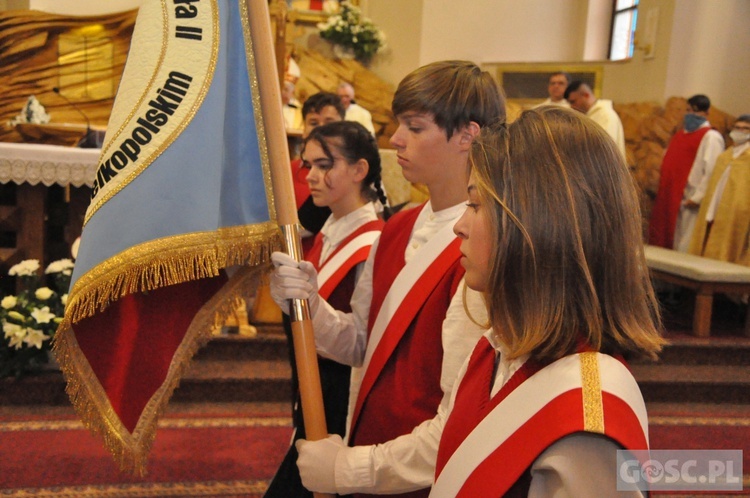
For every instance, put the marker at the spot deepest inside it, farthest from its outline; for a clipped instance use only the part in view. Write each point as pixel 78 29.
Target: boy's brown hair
pixel 569 267
pixel 453 92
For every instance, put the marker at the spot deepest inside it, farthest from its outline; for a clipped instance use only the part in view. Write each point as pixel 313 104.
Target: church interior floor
pixel 697 394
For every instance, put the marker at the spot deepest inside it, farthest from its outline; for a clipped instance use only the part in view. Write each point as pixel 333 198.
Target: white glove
pixel 293 280
pixel 317 462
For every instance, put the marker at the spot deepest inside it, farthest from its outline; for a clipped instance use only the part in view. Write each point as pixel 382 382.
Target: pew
pixel 703 275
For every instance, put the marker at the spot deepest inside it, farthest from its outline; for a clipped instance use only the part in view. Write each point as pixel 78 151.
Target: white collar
pixel 505 368
pixel 447 214
pixel 336 230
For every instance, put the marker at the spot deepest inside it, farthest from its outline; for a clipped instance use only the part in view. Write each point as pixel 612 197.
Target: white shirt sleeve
pixel 711 146
pixel 407 463
pixel 581 465
pixel 341 336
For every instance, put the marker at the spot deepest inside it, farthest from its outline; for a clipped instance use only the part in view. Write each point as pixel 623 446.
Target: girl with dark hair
pixel 344 175
pixel 357 146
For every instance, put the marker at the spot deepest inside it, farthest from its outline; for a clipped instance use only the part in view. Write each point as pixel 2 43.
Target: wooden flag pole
pixel 280 42
pixel 286 211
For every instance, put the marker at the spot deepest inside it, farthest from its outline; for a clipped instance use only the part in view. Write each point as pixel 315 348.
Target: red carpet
pixel 685 432
pixel 191 456
pixel 227 456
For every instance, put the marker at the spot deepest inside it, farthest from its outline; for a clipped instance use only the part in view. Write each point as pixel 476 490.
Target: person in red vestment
pixel 552 240
pixel 343 165
pixel 683 178
pixel 408 332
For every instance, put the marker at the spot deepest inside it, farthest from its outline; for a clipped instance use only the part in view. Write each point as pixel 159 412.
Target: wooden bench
pixel 705 276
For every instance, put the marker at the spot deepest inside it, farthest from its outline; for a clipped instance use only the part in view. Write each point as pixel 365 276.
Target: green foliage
pixel 350 30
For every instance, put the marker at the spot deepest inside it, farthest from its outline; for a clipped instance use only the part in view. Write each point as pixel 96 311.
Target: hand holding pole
pixel 286 212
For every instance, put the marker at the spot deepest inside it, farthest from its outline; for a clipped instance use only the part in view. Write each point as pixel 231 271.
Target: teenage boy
pixel 408 332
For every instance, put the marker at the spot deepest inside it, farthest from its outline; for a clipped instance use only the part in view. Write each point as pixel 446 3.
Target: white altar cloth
pixel 48 164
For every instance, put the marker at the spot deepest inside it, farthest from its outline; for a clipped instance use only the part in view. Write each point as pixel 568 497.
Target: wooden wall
pixel 33 63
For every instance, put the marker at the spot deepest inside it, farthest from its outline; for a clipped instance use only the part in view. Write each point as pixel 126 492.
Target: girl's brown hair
pixel 569 267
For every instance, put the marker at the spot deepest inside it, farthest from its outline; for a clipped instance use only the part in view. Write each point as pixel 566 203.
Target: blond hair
pixel 569 267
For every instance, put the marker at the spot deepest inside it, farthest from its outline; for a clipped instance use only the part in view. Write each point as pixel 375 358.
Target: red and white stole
pixel 413 285
pixel 353 250
pixel 589 392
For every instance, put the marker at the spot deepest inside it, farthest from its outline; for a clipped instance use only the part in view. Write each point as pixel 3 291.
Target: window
pixel 622 36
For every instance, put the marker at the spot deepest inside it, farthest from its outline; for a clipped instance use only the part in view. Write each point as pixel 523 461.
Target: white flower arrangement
pixel 64 266
pixel 30 318
pixel 26 268
pixel 43 293
pixel 33 112
pixel 352 31
pixel 9 302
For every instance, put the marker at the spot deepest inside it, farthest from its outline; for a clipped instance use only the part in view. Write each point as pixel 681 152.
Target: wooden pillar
pixel 80 197
pixel 280 39
pixel 31 202
pixel 704 300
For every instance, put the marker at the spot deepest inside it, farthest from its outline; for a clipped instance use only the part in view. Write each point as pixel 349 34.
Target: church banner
pixel 182 194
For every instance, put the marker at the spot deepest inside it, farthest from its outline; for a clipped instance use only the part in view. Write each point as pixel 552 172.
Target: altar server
pixel 343 166
pixel 408 332
pixel 552 238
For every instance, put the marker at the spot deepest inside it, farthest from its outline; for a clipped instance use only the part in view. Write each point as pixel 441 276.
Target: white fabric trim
pixel 404 282
pixel 338 259
pixel 523 403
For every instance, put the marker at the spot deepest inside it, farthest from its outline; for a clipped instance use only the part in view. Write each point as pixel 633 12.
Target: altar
pixel 44 193
pixel 47 164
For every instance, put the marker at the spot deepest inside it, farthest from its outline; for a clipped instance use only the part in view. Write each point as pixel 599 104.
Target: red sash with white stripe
pixel 392 312
pixel 353 250
pixel 585 392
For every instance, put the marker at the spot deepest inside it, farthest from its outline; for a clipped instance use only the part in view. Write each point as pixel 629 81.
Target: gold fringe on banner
pixel 169 261
pixel 104 284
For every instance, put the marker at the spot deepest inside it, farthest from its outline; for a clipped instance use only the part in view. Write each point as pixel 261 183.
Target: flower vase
pixel 343 52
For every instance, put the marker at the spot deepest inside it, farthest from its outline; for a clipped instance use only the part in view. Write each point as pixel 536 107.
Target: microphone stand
pixel 87 142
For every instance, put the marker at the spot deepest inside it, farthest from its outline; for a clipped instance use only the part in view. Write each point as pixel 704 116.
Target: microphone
pixel 87 142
